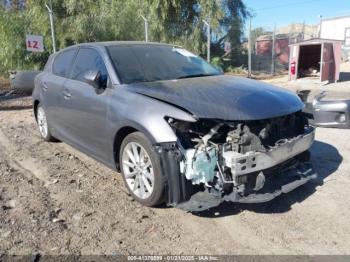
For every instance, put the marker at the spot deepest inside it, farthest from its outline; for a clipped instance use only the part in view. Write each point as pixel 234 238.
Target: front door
pixel 86 106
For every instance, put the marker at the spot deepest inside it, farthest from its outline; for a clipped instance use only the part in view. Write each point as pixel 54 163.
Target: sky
pixel 284 12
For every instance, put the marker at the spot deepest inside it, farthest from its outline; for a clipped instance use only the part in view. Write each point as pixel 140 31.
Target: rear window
pixel 63 62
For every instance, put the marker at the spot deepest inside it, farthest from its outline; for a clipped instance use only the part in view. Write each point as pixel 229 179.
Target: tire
pixel 138 174
pixel 43 125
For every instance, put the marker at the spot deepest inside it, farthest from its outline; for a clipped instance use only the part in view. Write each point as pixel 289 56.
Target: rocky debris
pixel 6 234
pixel 57 220
pixel 78 216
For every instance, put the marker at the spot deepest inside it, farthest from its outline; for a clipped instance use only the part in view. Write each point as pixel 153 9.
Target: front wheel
pixel 140 168
pixel 43 125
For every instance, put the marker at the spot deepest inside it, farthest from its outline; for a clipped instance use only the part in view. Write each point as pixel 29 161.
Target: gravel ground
pixel 55 200
pixel 338 91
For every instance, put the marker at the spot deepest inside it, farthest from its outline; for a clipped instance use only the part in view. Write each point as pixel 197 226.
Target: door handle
pixel 66 94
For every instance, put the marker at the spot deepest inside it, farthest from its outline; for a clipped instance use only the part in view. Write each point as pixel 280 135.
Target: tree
pixel 173 21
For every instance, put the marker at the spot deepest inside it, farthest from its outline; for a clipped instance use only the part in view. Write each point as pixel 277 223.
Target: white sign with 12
pixel 34 43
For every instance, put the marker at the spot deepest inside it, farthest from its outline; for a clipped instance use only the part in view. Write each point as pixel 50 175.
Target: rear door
pixel 85 107
pixel 52 86
pixel 328 66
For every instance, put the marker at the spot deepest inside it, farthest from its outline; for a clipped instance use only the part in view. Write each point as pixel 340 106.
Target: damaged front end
pixel 239 161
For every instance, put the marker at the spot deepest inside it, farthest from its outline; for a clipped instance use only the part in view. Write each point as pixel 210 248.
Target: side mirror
pixel 93 78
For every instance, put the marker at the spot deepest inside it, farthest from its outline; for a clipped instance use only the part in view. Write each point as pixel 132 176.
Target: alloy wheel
pixel 42 122
pixel 138 170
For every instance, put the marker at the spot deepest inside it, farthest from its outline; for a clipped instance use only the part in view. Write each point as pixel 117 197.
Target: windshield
pixel 147 63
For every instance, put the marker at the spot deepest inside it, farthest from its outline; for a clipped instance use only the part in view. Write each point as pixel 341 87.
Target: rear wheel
pixel 141 170
pixel 43 125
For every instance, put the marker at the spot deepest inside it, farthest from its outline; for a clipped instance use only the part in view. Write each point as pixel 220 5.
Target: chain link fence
pixel 270 47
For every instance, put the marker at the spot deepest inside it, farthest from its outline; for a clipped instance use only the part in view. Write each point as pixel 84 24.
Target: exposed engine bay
pixel 233 160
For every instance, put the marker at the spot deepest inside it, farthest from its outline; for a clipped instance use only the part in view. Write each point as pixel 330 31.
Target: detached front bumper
pixel 281 182
pixel 325 112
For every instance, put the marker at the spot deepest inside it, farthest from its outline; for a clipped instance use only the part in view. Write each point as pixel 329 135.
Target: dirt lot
pixel 55 200
pixel 338 90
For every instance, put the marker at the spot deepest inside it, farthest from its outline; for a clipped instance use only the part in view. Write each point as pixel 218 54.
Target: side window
pixel 89 59
pixel 63 62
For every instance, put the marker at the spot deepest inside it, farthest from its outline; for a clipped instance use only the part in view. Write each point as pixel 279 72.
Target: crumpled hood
pixel 222 97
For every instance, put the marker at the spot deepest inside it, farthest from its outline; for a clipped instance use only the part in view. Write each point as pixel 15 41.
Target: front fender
pixel 146 115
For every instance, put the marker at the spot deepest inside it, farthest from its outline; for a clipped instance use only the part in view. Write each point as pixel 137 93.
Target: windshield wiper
pixel 194 75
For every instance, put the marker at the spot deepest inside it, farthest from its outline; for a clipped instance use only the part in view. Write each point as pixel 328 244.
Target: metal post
pixel 303 33
pixel 320 33
pixel 250 48
pixel 273 51
pixel 146 27
pixel 322 61
pixel 207 23
pixel 49 9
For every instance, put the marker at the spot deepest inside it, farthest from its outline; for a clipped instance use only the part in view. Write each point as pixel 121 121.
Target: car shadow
pixel 326 160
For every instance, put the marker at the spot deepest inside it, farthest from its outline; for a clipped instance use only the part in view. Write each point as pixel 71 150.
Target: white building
pixel 337 28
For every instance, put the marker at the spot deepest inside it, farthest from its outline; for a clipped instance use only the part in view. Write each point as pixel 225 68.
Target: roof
pixel 113 43
pixel 335 18
pixel 277 37
pixel 315 41
pixel 110 43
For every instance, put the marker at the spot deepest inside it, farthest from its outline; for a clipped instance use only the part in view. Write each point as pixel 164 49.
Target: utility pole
pixel 146 27
pixel 250 48
pixel 207 23
pixel 49 9
pixel 273 51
